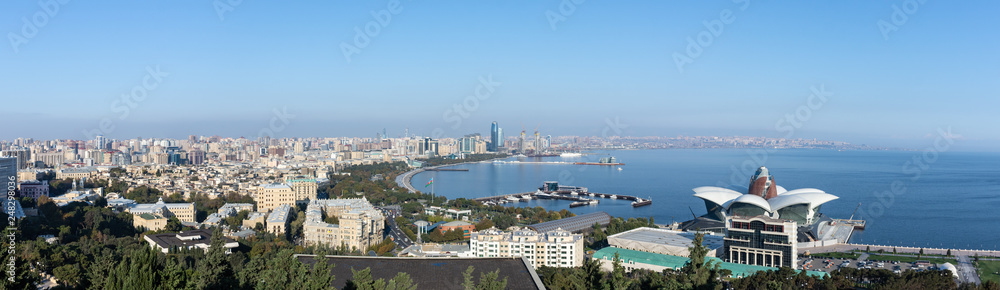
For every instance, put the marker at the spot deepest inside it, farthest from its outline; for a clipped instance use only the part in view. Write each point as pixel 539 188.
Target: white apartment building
pixel 557 248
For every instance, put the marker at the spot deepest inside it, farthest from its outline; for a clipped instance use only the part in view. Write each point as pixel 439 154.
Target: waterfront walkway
pixel 966 270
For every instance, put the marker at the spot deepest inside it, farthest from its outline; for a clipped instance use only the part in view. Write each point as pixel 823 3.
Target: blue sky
pixel 603 61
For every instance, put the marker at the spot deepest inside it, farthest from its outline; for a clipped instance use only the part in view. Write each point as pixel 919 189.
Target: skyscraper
pixel 494 138
pixel 8 169
pixel 100 142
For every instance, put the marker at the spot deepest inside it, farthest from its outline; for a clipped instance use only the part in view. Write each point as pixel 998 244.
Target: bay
pixel 946 199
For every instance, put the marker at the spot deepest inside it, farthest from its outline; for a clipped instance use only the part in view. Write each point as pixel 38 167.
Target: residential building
pixel 360 224
pixel 34 188
pixel 304 188
pixel 270 196
pixel 556 248
pixel 277 221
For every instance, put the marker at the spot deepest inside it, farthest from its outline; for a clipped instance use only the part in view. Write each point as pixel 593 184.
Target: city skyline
pixel 889 76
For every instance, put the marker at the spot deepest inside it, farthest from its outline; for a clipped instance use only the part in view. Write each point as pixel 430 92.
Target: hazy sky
pixel 573 68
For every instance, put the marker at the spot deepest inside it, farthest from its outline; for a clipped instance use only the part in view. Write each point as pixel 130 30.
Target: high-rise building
pixel 428 147
pixel 471 144
pixel 22 156
pixel 100 142
pixel 196 157
pixel 494 137
pixel 8 170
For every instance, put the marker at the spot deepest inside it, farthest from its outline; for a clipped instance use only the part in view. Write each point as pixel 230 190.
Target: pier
pixel 578 198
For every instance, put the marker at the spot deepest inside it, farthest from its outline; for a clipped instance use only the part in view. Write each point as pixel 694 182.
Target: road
pixel 967 271
pixel 402 241
pixel 404 179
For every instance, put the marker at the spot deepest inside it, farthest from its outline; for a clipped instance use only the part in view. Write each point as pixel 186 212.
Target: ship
pixel 584 202
pixel 641 202
pixel 604 161
pixel 571 154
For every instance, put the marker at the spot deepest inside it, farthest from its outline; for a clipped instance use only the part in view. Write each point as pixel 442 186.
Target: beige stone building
pixel 270 196
pixel 304 188
pixel 184 212
pixel 277 221
pixel 150 221
pixel 557 248
pixel 360 223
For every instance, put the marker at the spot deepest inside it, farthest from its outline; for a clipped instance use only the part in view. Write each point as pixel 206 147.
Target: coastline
pixel 404 179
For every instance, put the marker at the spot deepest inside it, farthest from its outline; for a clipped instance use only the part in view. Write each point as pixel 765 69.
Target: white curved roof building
pixel 764 197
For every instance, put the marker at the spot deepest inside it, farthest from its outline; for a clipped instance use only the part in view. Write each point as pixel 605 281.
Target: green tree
pixel 618 279
pixel 320 276
pixel 173 225
pixel 216 272
pixel 484 224
pixel 594 277
pixel 68 275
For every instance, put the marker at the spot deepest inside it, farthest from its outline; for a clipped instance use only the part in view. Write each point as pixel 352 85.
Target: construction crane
pixel 855 211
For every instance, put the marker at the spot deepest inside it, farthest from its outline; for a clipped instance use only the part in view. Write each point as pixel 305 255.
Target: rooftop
pixel 668 237
pixel 432 273
pixel 676 262
pixel 574 224
pixel 201 238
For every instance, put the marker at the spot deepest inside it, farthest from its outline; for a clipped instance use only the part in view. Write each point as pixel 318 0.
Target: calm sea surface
pixel 950 199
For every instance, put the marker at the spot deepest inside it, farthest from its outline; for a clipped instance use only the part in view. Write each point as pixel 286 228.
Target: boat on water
pixel 609 161
pixel 571 154
pixel 526 197
pixel 641 202
pixel 513 199
pixel 619 169
pixel 574 193
pixel 584 202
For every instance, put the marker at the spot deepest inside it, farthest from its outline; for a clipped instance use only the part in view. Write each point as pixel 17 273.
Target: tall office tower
pixel 100 142
pixel 500 140
pixel 21 157
pixel 494 137
pixel 8 170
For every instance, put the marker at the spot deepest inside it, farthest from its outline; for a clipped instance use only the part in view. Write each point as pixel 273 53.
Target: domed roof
pixel 763 193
